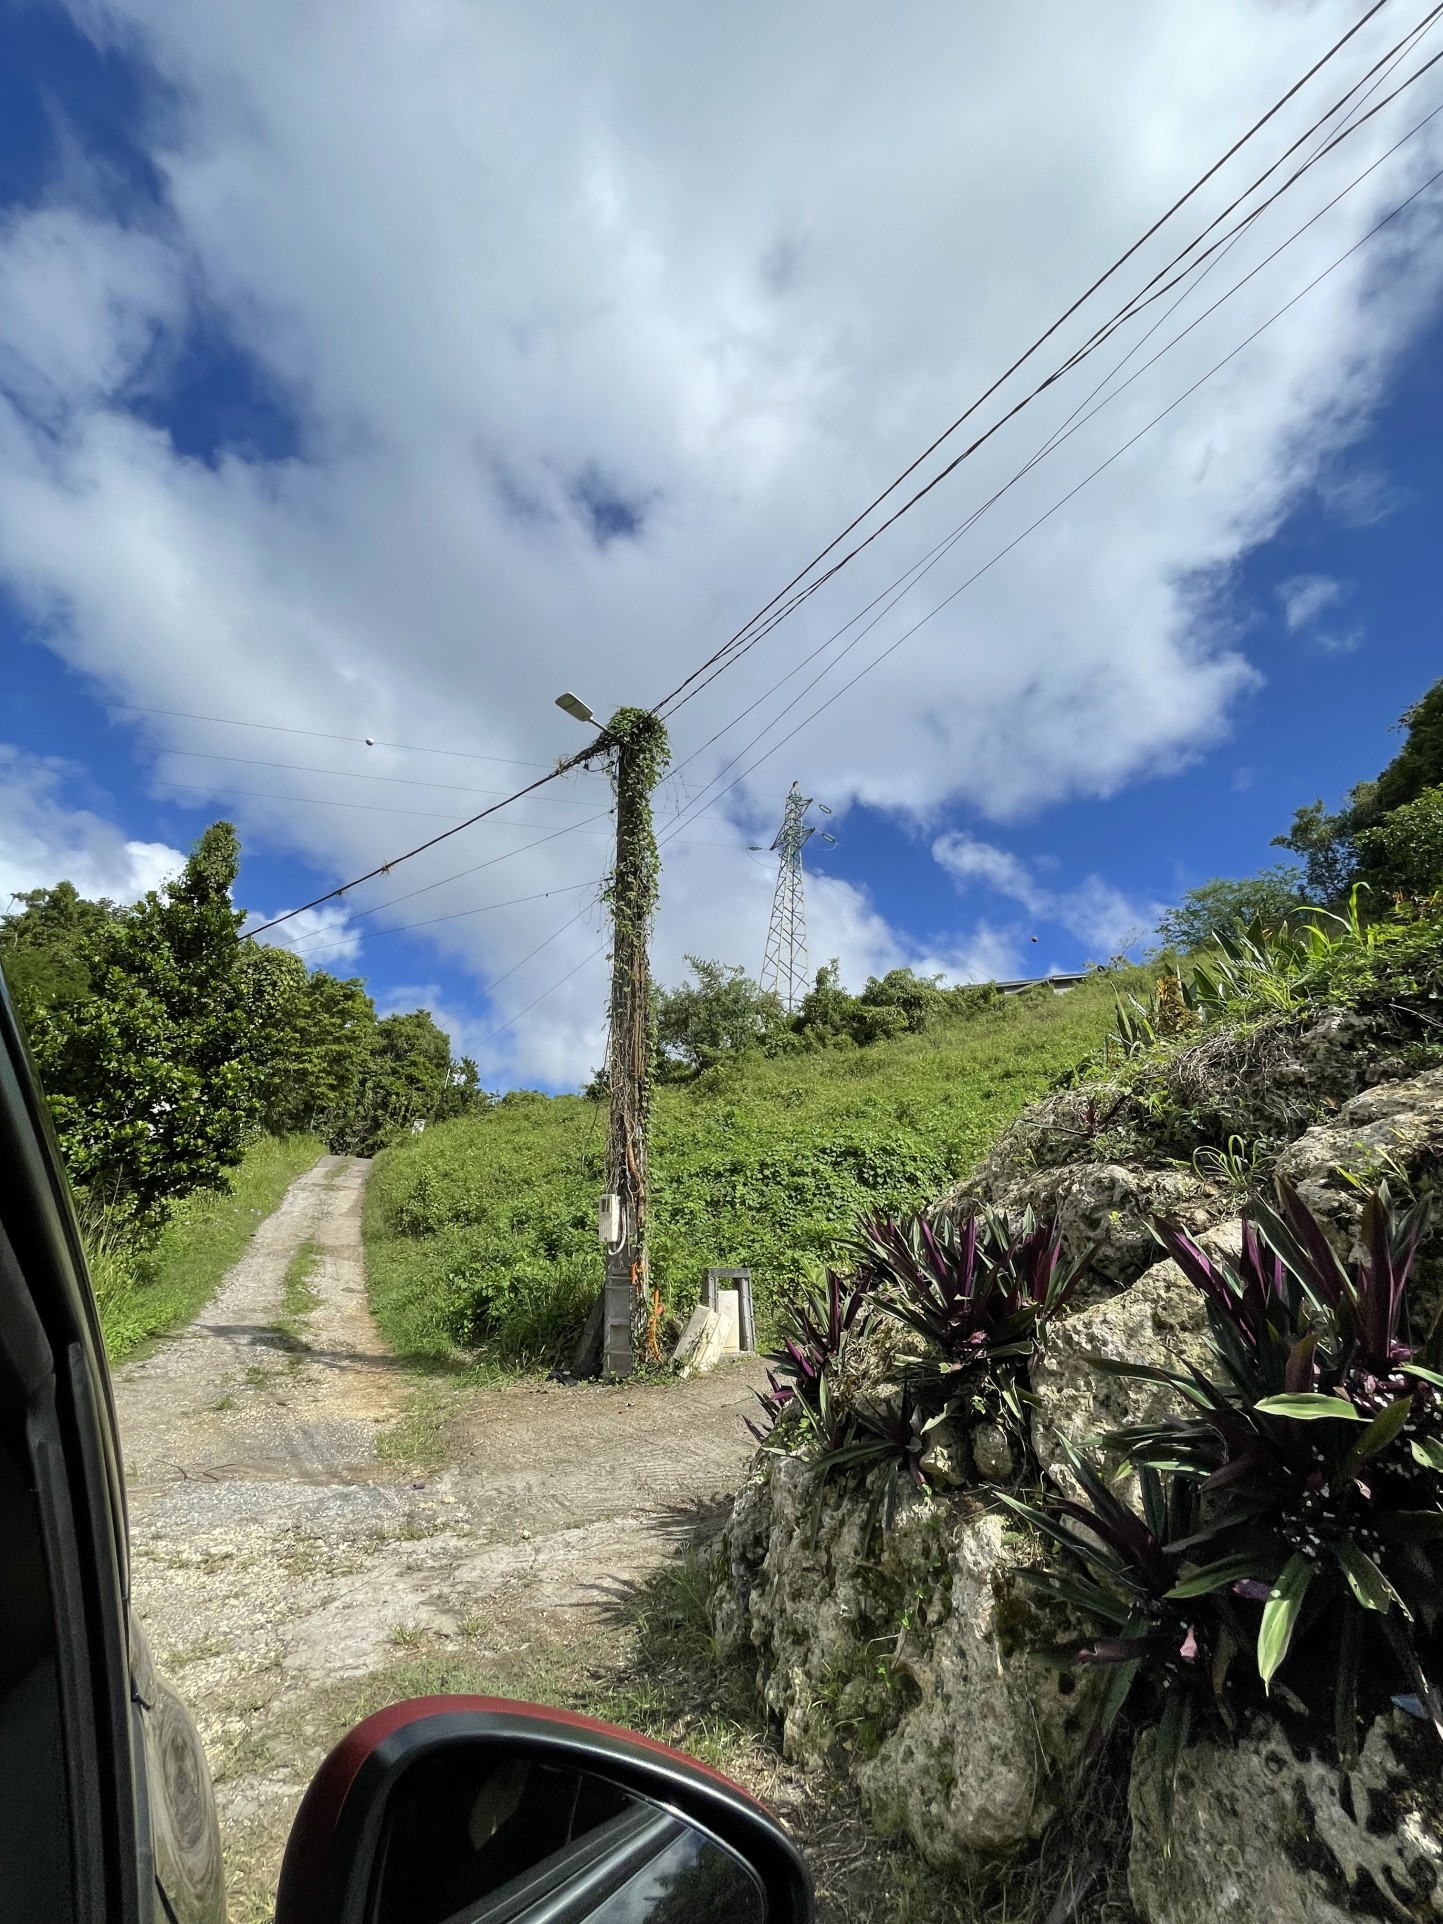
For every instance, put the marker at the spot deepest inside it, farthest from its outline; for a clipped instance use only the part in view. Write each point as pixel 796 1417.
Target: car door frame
pixel 79 1486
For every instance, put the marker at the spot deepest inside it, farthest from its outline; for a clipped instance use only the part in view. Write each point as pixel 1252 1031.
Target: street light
pixel 575 707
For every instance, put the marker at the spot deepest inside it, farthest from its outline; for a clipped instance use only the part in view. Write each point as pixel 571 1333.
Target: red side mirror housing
pixel 445 1810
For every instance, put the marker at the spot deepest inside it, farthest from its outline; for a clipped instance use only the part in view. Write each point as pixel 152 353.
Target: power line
pixel 384 868
pixel 324 801
pixel 275 728
pixel 729 647
pixel 695 810
pixel 1079 418
pixel 770 617
pixel 352 775
pixel 1197 186
pixel 484 908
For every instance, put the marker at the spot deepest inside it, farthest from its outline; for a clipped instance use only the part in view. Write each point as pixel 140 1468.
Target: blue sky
pixel 363 380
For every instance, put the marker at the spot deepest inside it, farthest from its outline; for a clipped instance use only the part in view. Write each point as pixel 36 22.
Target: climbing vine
pixel 638 752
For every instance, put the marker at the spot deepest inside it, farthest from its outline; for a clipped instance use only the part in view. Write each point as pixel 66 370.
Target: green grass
pixel 482 1231
pixel 298 1295
pixel 143 1296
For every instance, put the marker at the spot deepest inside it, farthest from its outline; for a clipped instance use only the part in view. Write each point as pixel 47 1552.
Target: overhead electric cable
pixel 746 638
pixel 1080 416
pixel 409 928
pixel 324 801
pixel 275 728
pixel 694 810
pixel 384 868
pixel 357 775
pixel 1121 261
pixel 560 983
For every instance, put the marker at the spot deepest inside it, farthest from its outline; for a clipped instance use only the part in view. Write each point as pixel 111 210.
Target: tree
pixel 722 1012
pixel 43 945
pixel 313 1035
pixel 1331 844
pixel 1403 855
pixel 1204 913
pixel 406 1078
pixel 829 1014
pixel 151 1078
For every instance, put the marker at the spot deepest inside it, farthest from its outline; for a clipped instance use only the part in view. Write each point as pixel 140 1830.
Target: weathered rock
pixel 1258 1832
pixel 1161 1320
pixel 912 1657
pixel 1392 1130
pixel 739 1557
pixel 992 1453
pixel 1104 1208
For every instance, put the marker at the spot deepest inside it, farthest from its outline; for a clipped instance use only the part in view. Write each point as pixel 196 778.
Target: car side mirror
pixel 473 1810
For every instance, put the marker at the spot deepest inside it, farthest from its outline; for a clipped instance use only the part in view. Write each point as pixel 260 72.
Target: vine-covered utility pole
pixel 639 753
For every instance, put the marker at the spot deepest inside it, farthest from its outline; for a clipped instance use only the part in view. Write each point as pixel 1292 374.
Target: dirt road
pixel 278 1552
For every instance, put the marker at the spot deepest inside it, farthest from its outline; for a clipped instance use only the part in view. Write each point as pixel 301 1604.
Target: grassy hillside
pixel 482 1231
pixel 145 1295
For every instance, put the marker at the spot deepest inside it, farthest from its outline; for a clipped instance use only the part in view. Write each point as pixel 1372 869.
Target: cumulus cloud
pixel 1095 912
pixel 593 327
pixel 322 937
pixel 43 842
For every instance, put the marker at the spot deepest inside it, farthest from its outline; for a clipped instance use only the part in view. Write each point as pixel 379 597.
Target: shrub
pixel 974 1291
pixel 1299 1507
pixel 1220 906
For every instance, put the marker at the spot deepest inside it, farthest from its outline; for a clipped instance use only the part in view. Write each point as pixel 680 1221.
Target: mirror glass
pixel 491 1834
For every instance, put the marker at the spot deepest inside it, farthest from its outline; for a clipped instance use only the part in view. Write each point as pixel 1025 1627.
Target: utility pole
pixel 784 961
pixel 636 746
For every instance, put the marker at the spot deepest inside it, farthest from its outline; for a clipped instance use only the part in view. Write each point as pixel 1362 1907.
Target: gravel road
pixel 277 1552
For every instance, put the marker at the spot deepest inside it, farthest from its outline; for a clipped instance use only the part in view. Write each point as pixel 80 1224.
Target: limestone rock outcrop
pixel 912 1658
pixel 1259 1832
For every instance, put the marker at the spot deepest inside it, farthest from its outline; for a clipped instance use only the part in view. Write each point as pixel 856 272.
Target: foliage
pixel 148 1074
pixel 1318 957
pixel 1220 906
pixel 978 1293
pixel 1333 845
pixel 1302 1494
pixel 166 1043
pixel 816 1326
pixel 762 1163
pixel 1403 855
pixel 898 1003
pixel 1325 842
pixel 723 1013
pixel 974 1290
pixel 45 945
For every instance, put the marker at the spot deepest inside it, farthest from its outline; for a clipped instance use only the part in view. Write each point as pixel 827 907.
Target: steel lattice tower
pixel 784 964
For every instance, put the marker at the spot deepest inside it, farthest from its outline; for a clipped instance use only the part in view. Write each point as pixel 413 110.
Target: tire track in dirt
pixel 276 1552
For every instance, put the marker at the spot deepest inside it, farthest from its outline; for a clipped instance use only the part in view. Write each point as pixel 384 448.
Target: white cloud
pixel 595 326
pixel 1095 912
pixel 42 842
pixel 322 937
pixel 1304 597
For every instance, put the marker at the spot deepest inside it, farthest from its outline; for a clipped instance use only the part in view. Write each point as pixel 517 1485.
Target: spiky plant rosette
pixel 816 1326
pixel 1316 1454
pixel 977 1291
pixel 1119 1571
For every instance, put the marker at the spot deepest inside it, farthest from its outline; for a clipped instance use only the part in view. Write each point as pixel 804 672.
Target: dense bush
pixel 140 1025
pixel 722 1014
pixel 1220 907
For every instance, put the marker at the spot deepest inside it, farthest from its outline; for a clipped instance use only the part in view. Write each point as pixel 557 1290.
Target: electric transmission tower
pixel 784 965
